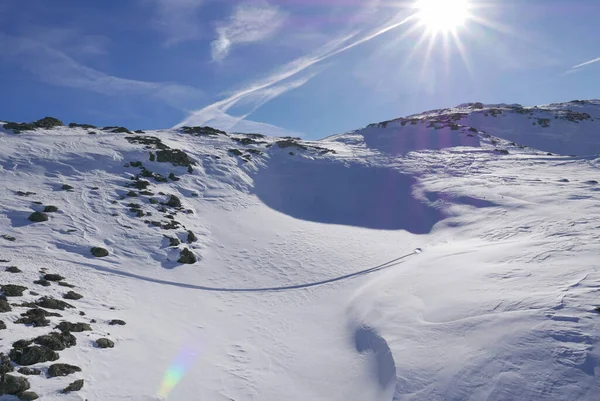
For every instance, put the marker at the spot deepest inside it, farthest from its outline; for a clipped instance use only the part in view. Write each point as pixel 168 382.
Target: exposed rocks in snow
pixel 191 237
pixel 67 327
pixel 72 295
pixel 173 201
pixel 32 354
pixel 173 241
pixel 38 217
pixel 117 322
pixel 202 131
pixel 53 277
pixel 13 385
pixel 117 130
pixel 99 252
pixel 50 209
pixel 8 237
pixel 104 343
pixel 24 193
pixel 36 317
pixel 86 126
pixel 75 386
pixel 13 290
pixel 187 257
pixel 13 269
pixel 62 369
pixel 45 123
pixel 27 371
pixel 56 341
pixel 28 396
pixel 52 303
pixel 4 305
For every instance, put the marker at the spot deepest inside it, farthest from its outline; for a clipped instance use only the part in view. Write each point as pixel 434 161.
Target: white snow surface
pixel 414 263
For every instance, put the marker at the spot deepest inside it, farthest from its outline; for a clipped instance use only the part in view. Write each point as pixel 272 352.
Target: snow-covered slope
pixel 444 256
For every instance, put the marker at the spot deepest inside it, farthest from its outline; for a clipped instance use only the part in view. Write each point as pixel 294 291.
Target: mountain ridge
pixel 496 299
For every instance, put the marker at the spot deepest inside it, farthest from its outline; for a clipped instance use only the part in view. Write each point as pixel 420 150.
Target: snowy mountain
pixel 450 255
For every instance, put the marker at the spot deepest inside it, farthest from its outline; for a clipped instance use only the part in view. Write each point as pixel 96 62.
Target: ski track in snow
pixel 499 306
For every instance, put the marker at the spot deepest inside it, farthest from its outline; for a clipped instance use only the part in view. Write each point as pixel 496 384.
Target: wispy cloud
pixel 596 60
pixel 54 67
pixel 250 22
pixel 70 40
pixel 281 81
pixel 178 20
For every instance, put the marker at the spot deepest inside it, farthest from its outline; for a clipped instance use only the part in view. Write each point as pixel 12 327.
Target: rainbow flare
pixel 182 363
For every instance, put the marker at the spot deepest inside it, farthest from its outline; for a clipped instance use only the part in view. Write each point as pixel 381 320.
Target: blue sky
pixel 306 67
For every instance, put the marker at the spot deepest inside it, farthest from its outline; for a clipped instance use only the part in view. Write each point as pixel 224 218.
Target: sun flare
pixel 442 15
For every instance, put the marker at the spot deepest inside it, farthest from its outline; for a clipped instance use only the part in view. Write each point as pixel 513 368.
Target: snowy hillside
pixel 450 255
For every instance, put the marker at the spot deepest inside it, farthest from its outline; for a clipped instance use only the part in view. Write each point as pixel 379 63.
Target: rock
pixel 140 184
pixel 66 187
pixel 72 295
pixel 65 284
pixel 13 385
pixel 42 282
pixel 28 396
pixel 32 355
pixel 75 386
pixel 187 257
pixel 62 369
pixel 174 201
pixel 12 290
pixel 117 322
pixel 2 325
pixel 35 294
pixel 4 306
pixel 50 209
pixel 104 343
pixel 29 371
pixel 53 277
pixel 173 241
pixel 22 343
pixel 38 217
pixel 56 341
pixel 191 237
pixel 36 317
pixel 5 364
pixel 99 252
pixel 13 269
pixel 52 303
pixel 81 313
pixel 8 237
pixel 67 327
pixel 174 156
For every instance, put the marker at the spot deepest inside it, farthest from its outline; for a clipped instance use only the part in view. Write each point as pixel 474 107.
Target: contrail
pixel 587 63
pixel 294 67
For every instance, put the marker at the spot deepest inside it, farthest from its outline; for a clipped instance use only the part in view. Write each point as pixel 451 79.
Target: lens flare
pixel 182 363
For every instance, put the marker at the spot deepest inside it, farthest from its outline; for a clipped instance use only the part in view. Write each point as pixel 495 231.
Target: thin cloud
pixel 261 91
pixel 178 19
pixel 250 22
pixel 54 67
pixel 596 60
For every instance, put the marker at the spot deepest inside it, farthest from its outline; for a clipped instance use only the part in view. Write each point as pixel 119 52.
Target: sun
pixel 442 16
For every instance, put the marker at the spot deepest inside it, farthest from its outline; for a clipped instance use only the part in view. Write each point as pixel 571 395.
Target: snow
pixel 413 263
